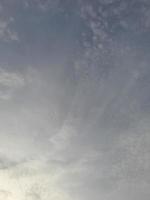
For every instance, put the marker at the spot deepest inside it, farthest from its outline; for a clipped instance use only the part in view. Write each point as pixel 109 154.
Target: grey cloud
pixel 9 83
pixel 75 124
pixel 6 34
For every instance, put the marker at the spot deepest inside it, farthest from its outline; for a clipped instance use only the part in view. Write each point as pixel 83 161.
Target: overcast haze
pixel 74 99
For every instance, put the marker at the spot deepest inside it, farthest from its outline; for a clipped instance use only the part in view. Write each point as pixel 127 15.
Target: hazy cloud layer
pixel 74 100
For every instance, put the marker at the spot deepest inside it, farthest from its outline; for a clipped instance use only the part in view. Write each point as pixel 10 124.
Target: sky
pixel 74 99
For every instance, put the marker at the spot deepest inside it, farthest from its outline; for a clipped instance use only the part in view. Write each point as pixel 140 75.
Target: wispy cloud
pixel 6 32
pixel 9 83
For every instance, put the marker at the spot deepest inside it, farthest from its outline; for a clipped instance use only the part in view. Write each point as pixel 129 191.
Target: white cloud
pixel 32 180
